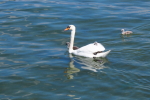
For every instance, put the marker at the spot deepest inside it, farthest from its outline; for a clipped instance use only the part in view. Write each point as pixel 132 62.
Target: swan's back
pixel 89 49
pixel 93 47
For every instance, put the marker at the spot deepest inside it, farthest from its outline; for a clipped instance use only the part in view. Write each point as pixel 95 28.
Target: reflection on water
pixel 93 64
pixel 71 70
pixel 124 37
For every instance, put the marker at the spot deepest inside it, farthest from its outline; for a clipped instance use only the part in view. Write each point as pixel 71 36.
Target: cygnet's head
pixel 70 27
pixel 122 30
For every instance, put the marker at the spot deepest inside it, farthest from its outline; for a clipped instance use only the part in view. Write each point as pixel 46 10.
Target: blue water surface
pixel 35 64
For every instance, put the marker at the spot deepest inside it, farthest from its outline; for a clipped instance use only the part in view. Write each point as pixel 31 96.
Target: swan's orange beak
pixel 66 29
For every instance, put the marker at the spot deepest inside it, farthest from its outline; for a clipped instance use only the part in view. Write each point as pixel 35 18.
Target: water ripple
pixel 34 62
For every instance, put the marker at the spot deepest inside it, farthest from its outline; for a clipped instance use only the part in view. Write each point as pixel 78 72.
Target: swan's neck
pixel 72 41
pixel 123 31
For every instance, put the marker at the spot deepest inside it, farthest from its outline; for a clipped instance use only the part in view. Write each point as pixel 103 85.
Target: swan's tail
pixel 103 54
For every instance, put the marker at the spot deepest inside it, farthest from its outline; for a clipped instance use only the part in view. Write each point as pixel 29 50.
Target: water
pixel 35 64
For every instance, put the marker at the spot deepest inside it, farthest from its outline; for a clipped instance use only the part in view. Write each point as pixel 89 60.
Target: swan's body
pixel 91 50
pixel 126 32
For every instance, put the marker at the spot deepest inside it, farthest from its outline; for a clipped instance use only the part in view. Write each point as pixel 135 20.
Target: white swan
pixel 126 32
pixel 91 50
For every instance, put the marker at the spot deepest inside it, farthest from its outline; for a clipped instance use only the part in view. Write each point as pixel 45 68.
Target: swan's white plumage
pixel 88 50
pixel 89 54
pixel 92 48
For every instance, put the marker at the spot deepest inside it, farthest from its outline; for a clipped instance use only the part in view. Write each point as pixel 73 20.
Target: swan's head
pixel 122 30
pixel 70 27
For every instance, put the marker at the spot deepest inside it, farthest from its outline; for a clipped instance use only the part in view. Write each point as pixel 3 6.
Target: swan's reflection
pixel 93 64
pixel 71 70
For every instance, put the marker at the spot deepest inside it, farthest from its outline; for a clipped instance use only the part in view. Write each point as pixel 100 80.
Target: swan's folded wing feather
pixel 91 48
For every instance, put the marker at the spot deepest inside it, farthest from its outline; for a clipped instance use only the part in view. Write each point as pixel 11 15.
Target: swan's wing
pixel 91 48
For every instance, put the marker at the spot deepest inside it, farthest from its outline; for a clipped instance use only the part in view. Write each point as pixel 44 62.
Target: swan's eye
pixel 68 26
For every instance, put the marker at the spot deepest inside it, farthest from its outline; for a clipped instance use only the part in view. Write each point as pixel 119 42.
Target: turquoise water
pixel 35 64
